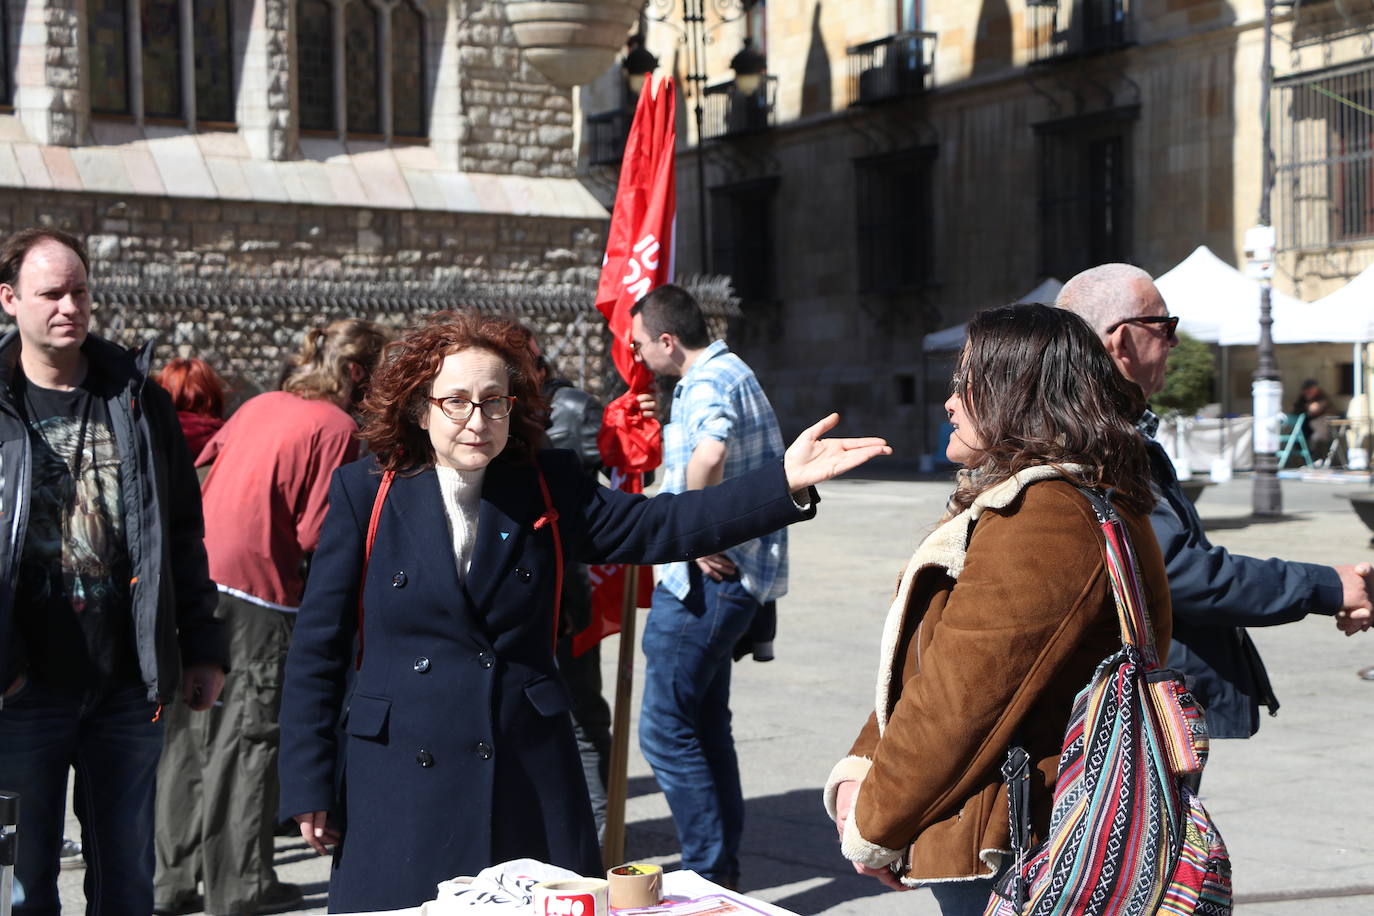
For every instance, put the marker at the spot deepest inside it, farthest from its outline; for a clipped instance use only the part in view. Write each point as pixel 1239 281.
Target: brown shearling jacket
pixel 1002 616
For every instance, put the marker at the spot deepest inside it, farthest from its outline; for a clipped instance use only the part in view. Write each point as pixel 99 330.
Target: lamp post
pixel 1266 389
pixel 695 36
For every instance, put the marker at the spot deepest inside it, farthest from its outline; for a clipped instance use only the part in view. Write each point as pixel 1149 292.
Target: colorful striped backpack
pixel 1128 835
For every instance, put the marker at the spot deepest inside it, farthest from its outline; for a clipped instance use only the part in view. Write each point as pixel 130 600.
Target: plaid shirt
pixel 719 398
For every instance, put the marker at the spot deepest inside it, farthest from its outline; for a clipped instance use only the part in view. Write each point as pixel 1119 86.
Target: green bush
pixel 1188 380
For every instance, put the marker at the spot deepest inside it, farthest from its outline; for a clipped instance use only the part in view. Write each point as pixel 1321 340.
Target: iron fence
pixel 1061 29
pixel 247 324
pixel 1324 157
pixel 729 112
pixel 890 68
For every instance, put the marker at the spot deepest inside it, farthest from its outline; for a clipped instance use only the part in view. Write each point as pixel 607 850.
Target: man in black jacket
pixel 106 604
pixel 1215 593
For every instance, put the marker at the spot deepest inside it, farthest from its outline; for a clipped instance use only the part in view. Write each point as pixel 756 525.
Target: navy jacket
pixel 1215 596
pixel 452 748
pixel 173 597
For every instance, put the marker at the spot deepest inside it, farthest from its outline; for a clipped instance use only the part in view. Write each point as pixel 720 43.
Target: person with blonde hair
pixel 265 499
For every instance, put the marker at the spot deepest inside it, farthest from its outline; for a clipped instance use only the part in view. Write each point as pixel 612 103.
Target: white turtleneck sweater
pixel 462 492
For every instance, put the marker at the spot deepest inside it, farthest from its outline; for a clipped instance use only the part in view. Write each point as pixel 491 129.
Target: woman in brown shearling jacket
pixel 1004 611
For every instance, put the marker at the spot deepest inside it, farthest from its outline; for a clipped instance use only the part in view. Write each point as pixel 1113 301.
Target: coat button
pixel 523 574
pixel 421 665
pixel 425 759
pixel 486 659
pixel 398 580
pixel 482 750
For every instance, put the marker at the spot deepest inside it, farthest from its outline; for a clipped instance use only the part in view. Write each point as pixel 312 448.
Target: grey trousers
pixel 217 782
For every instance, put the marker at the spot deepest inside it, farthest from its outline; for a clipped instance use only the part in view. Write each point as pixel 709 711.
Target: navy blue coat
pixel 457 749
pixel 1216 595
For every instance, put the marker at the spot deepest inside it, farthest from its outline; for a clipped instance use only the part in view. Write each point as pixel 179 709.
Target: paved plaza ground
pixel 1295 803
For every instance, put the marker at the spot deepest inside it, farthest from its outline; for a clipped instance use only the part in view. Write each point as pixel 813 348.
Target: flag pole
pixel 613 843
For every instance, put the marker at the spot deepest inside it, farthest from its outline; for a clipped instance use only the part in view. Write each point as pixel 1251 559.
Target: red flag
pixel 639 257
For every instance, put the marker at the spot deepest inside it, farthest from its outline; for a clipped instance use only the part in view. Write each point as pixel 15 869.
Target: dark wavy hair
pixel 404 378
pixel 1041 389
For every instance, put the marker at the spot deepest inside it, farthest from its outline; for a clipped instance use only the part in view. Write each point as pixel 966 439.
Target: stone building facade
pixel 400 154
pixel 907 163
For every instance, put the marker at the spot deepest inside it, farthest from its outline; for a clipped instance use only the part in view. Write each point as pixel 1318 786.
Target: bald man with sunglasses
pixel 1216 594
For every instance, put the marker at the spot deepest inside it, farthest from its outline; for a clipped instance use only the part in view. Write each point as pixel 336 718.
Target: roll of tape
pixel 573 897
pixel 635 884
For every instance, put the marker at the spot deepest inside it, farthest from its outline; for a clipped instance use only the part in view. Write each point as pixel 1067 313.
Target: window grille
pixel 362 63
pixel 6 79
pixel 408 70
pixel 213 31
pixel 1085 192
pixel 1323 135
pixel 742 237
pixel 894 219
pixel 108 30
pixel 315 64
pixel 161 46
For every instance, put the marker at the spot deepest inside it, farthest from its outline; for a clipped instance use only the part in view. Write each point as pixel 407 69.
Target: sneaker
pixel 69 856
pixel 280 897
pixel 1366 673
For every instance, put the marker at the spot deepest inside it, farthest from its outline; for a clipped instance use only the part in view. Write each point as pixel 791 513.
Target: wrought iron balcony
pixel 729 112
pixel 606 136
pixel 1064 29
pixel 891 68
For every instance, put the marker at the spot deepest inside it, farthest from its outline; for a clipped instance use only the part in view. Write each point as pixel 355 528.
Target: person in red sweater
pixel 198 395
pixel 265 499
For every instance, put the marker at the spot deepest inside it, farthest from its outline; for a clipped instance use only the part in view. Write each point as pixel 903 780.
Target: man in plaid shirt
pixel 721 426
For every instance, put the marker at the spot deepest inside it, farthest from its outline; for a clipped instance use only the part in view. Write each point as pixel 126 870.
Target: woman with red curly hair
pixel 198 395
pixel 425 730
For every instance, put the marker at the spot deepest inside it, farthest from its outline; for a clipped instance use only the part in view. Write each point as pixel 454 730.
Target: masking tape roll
pixel 573 897
pixel 635 884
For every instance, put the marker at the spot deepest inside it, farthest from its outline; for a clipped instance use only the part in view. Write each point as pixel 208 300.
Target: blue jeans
pixel 114 744
pixel 684 723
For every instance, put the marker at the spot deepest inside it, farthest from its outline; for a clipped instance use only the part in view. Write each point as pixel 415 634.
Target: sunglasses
pixel 1170 323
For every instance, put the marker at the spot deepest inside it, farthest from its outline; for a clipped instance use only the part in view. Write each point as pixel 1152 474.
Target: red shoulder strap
pixel 550 517
pixel 387 477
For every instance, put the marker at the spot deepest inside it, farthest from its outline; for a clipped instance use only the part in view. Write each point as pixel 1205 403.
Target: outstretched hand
pixel 811 459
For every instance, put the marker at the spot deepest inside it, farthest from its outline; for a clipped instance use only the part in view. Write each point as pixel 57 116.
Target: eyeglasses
pixel 459 409
pixel 1170 323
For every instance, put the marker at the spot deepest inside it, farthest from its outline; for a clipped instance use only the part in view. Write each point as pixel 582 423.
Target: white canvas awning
pixel 1218 304
pixel 952 338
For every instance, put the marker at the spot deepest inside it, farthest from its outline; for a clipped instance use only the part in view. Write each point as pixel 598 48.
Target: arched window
pixel 161 33
pixel 362 64
pixel 408 107
pixel 214 57
pixel 107 25
pixel 315 64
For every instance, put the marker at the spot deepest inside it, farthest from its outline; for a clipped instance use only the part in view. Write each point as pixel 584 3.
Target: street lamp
pixel 1266 389
pixel 695 36
pixel 638 64
pixel 749 66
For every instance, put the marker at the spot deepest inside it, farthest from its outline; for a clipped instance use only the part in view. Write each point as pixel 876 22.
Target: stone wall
pixel 512 119
pixel 196 244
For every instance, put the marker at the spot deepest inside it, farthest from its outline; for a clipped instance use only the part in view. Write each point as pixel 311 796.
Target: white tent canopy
pixel 953 338
pixel 1345 316
pixel 1218 304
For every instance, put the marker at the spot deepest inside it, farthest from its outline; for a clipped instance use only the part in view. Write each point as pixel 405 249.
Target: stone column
pixel 267 119
pixel 51 96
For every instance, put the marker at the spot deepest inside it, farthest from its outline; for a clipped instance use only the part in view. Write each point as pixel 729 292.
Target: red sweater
pixel 267 493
